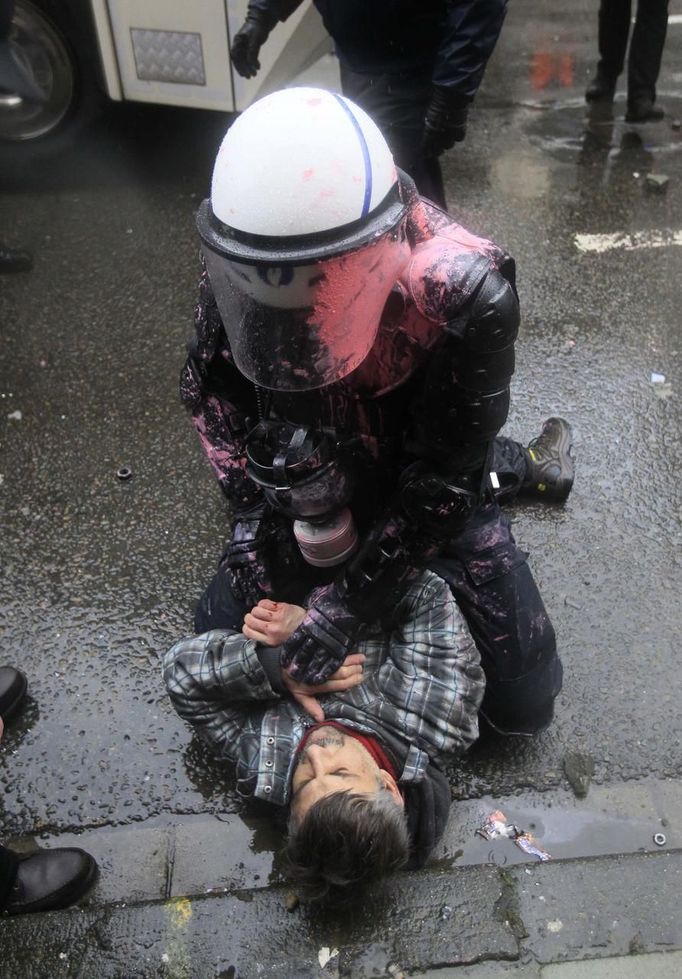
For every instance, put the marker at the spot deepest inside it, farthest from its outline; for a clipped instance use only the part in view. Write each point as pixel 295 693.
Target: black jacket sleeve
pixel 465 398
pixel 272 11
pixel 468 36
pixel 463 404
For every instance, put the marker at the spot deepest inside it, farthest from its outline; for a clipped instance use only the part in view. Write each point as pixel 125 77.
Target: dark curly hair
pixel 344 841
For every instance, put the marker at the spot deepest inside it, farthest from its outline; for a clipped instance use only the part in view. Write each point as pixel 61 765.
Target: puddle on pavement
pixel 609 821
pixel 573 131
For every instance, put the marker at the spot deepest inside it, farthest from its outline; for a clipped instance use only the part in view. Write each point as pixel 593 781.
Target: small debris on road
pixel 124 473
pixel 657 182
pixel 662 389
pixel 291 901
pixel 325 954
pixel 496 826
pixel 579 769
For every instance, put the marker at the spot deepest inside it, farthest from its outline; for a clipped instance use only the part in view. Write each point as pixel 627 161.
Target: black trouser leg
pixel 646 49
pixel 424 170
pixel 509 462
pixel 8 872
pixel 495 590
pixel 397 104
pixel 614 28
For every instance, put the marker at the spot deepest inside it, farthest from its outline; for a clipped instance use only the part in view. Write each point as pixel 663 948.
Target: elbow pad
pixel 466 392
pixel 493 321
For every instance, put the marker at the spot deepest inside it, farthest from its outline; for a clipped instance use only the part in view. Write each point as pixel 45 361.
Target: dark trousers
pixel 397 103
pixel 8 872
pixel 495 590
pixel 646 44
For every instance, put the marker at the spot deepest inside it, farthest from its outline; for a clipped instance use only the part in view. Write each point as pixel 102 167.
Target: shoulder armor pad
pixel 443 275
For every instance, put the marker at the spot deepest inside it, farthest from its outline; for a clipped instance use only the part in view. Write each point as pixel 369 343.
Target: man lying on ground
pixel 358 758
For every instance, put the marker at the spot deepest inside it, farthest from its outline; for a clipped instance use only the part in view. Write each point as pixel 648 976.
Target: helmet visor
pixel 296 327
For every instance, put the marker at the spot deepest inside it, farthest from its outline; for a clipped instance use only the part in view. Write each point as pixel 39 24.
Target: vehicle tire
pixel 52 42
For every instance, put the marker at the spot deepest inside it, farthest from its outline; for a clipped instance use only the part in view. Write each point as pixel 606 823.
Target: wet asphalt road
pixel 99 576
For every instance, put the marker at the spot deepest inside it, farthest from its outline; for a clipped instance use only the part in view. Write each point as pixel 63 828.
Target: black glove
pixel 248 41
pixel 445 123
pixel 246 558
pixel 323 640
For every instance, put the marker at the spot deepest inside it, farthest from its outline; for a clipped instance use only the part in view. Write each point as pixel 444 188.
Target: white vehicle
pixel 170 52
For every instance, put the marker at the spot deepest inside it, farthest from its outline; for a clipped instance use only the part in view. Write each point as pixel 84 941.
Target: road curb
pixel 432 920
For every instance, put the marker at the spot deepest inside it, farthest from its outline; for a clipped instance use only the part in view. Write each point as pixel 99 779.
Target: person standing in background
pixel 644 56
pixel 414 67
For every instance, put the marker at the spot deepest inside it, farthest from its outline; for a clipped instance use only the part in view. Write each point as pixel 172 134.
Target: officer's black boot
pixel 643 110
pixel 12 690
pixel 602 88
pixel 551 468
pixel 51 879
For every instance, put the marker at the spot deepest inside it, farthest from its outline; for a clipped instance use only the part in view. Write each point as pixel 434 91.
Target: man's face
pixel 333 762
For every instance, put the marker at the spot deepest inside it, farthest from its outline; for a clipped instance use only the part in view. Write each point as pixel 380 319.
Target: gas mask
pixel 306 475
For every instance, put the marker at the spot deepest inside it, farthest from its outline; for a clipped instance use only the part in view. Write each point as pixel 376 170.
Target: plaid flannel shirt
pixel 422 688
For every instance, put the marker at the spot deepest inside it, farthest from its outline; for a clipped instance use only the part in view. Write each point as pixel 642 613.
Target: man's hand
pixel 348 675
pixel 272 622
pixel 322 641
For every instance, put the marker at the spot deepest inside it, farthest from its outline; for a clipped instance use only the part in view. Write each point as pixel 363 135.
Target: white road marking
pixel 675 19
pixel 627 242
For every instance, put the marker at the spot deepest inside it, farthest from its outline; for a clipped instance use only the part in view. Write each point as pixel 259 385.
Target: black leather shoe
pixel 551 469
pixel 12 691
pixel 601 88
pixel 643 110
pixel 51 879
pixel 15 260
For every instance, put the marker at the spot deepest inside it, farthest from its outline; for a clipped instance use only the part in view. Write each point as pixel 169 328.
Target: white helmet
pixel 302 237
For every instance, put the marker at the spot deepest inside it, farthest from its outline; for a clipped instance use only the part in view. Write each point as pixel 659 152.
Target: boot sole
pixel 564 484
